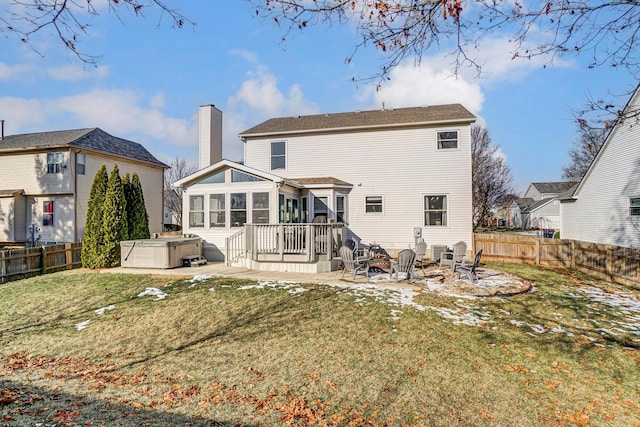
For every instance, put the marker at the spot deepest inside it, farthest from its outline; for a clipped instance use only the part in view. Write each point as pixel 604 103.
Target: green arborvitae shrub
pixel 127 187
pixel 138 217
pixel 114 220
pixel 92 239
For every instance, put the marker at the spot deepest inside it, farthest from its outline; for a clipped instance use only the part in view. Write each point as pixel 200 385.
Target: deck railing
pixel 235 247
pixel 308 242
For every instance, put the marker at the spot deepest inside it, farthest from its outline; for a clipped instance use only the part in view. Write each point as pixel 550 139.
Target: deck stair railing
pixel 235 247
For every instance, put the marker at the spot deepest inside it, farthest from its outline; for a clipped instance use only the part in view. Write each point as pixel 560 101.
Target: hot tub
pixel 163 252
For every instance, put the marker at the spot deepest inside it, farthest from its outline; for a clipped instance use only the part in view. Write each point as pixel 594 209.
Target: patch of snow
pixel 102 310
pixel 153 292
pixel 80 326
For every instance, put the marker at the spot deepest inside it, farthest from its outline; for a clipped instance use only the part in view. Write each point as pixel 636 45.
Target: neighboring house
pixel 46 178
pixel 388 175
pixel 547 190
pixel 605 206
pixel 172 215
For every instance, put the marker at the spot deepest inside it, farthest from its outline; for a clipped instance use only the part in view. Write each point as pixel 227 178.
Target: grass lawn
pixel 83 348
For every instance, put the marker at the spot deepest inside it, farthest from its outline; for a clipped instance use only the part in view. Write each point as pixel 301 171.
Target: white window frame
pixel 634 208
pixel 368 202
pixel 445 210
pixel 440 141
pixel 278 156
pixel 192 211
pixel 81 163
pixel 341 213
pixel 257 210
pixel 237 209
pixel 55 162
pixel 46 214
pixel 218 211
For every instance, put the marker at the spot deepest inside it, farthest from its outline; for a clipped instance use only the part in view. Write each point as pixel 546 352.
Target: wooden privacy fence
pixel 20 263
pixel 614 263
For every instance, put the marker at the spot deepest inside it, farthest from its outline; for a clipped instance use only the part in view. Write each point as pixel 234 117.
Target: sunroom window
pixel 238 209
pixel 196 211
pixel 260 208
pixel 216 210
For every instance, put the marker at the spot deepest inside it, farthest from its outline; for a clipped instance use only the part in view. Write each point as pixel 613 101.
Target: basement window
pixel 634 206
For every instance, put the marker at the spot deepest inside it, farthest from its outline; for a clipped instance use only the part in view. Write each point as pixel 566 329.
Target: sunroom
pixel 250 218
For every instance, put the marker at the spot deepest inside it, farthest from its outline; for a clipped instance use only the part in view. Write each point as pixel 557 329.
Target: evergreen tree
pixel 139 219
pixel 92 239
pixel 114 220
pixel 127 187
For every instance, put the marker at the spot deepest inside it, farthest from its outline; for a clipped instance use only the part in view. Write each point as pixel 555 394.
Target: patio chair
pixel 454 258
pixel 404 264
pixel 469 270
pixel 421 249
pixel 352 264
pixel 351 244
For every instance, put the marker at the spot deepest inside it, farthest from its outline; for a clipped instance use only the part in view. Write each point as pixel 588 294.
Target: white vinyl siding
pixel 401 165
pixel 600 213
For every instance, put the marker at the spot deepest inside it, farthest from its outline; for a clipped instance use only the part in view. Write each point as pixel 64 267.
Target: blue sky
pixel 152 78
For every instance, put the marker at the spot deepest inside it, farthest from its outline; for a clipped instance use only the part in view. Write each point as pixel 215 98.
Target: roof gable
pixel 361 120
pixel 223 164
pixel 94 139
pixel 634 100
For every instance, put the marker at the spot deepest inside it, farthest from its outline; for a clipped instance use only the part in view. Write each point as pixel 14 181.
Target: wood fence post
pixel 43 259
pixel 3 266
pixel 538 249
pixel 573 254
pixel 68 256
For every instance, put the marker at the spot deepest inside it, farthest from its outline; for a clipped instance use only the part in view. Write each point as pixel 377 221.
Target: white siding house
pixel 45 180
pixel 384 174
pixel 605 206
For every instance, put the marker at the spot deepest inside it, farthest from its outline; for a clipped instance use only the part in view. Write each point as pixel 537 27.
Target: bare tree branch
pixel 69 19
pixel 178 169
pixel 491 176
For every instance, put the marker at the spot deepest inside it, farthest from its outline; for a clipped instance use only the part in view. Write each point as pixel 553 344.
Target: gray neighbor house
pixel 46 178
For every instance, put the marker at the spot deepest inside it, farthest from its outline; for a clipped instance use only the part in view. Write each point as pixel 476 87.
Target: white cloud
pixel 16 71
pixel 411 86
pixel 77 72
pixel 259 98
pixel 247 55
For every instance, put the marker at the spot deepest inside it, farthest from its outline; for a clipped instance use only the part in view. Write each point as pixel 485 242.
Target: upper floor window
pixel 81 161
pixel 216 210
pixel 634 206
pixel 196 211
pixel 47 213
pixel 278 155
pixel 435 210
pixel 447 140
pixel 54 162
pixel 373 204
pixel 238 209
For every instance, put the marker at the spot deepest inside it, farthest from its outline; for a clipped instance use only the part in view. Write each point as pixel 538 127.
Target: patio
pixel 490 282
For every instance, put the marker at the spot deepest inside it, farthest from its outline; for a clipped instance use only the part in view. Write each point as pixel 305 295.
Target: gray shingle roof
pixel 398 117
pixel 553 187
pixel 94 139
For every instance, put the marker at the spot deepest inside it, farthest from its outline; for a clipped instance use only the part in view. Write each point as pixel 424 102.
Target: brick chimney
pixel 209 135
